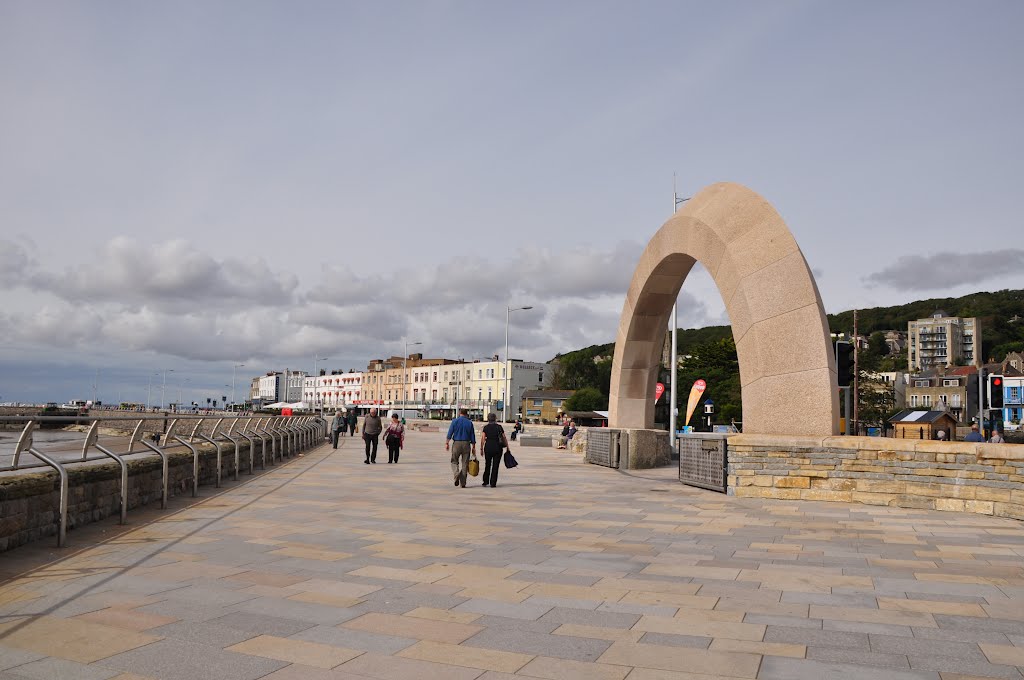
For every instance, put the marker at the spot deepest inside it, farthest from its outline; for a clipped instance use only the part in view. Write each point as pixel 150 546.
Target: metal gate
pixel 703 461
pixel 603 447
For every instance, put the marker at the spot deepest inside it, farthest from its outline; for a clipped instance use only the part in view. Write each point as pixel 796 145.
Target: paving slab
pixel 326 569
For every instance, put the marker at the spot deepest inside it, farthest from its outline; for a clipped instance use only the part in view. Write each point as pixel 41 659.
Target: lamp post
pixel 180 384
pixel 233 367
pixel 149 392
pixel 405 375
pixel 164 387
pixel 507 368
pixel 674 359
pixel 316 382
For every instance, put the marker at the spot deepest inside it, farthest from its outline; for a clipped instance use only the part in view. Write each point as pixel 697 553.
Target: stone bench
pixel 536 440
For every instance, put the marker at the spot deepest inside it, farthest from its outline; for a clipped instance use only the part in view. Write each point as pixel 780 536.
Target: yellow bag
pixel 473 468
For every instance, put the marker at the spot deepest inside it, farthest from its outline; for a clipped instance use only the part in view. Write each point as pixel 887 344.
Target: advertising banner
pixel 659 390
pixel 698 389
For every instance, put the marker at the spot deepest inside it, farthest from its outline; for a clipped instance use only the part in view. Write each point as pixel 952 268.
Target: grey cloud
pixel 946 269
pixel 15 263
pixel 175 274
pixel 176 301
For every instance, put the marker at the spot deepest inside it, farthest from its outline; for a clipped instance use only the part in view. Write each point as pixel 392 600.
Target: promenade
pixel 324 568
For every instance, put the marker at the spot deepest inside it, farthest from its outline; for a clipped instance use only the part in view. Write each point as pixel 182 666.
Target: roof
pixel 588 415
pixel 915 416
pixel 548 394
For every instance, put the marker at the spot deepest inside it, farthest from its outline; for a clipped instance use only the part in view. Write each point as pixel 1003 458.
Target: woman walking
pixel 371 432
pixel 394 438
pixel 337 426
pixel 494 443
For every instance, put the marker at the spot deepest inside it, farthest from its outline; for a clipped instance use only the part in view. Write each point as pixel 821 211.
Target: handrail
pixel 164 466
pixel 124 481
pixel 216 444
pixel 285 434
pixel 62 509
pixel 195 465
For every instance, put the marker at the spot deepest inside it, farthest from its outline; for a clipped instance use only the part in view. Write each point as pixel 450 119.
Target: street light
pixel 164 386
pixel 405 376
pixel 149 391
pixel 316 382
pixel 180 384
pixel 233 381
pixel 507 367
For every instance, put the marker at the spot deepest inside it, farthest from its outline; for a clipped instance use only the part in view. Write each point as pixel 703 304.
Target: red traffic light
pixel 997 381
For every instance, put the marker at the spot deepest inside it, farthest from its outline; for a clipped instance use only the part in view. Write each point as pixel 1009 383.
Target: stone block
pixel 980 507
pixel 950 504
pixel 872 498
pixel 825 495
pixel 792 482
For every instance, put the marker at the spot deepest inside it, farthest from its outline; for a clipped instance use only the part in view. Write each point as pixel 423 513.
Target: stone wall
pixel 29 503
pixel 907 473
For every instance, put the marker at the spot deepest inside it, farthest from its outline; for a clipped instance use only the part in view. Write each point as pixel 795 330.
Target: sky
pixel 189 186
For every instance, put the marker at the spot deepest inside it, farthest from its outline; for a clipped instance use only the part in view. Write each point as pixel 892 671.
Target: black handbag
pixel 510 460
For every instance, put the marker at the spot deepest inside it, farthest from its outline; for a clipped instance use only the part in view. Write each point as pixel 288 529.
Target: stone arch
pixel 787 369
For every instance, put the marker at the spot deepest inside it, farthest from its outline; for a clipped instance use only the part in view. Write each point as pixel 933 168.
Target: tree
pixel 876 401
pixel 586 399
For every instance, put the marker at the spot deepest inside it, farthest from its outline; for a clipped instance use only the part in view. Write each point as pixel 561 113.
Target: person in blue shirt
pixel 974 436
pixel 461 441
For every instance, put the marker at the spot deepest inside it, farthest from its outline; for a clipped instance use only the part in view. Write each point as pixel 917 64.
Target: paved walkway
pixel 326 568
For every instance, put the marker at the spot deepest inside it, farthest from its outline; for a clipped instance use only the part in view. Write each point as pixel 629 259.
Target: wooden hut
pixel 914 424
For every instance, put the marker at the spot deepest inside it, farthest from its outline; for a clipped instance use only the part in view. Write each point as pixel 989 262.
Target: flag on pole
pixel 698 389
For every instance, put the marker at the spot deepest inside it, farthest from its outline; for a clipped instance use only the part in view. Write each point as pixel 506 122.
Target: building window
pixel 920 383
pixel 557 403
pixel 913 400
pixel 538 402
pixel 956 401
pixel 479 374
pixel 926 399
pixel 951 383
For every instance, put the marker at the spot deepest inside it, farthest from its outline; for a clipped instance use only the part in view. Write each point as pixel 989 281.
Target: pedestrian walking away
pixel 493 443
pixel 996 438
pixel 461 441
pixel 394 438
pixel 353 418
pixel 372 428
pixel 337 426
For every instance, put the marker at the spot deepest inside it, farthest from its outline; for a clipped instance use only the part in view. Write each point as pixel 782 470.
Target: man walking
pixel 461 441
pixel 337 426
pixel 372 428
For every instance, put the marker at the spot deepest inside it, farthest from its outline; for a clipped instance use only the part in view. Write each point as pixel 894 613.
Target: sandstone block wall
pixel 29 503
pixel 960 476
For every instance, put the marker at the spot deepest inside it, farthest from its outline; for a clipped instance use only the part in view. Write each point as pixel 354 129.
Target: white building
pixel 334 390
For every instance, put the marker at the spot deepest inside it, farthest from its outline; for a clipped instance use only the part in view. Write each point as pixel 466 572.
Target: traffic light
pixel 844 363
pixel 995 392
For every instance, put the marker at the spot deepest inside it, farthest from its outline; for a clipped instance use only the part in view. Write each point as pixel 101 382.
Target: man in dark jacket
pixel 372 427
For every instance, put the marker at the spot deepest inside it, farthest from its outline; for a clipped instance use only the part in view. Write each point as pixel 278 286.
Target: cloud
pixel 945 270
pixel 173 274
pixel 174 300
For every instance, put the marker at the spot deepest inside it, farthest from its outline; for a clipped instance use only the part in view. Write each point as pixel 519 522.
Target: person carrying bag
pixel 494 443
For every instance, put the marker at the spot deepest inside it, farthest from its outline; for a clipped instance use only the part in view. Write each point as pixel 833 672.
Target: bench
pixel 535 440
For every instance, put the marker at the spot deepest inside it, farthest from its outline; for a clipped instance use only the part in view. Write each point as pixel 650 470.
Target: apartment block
pixel 941 340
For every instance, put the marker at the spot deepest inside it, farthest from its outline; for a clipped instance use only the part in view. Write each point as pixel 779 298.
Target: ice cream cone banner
pixel 698 389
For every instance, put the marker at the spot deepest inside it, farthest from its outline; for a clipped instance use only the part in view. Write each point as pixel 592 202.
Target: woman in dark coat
pixel 493 444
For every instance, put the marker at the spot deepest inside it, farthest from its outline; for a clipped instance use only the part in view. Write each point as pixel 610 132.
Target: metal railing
pixel 287 435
